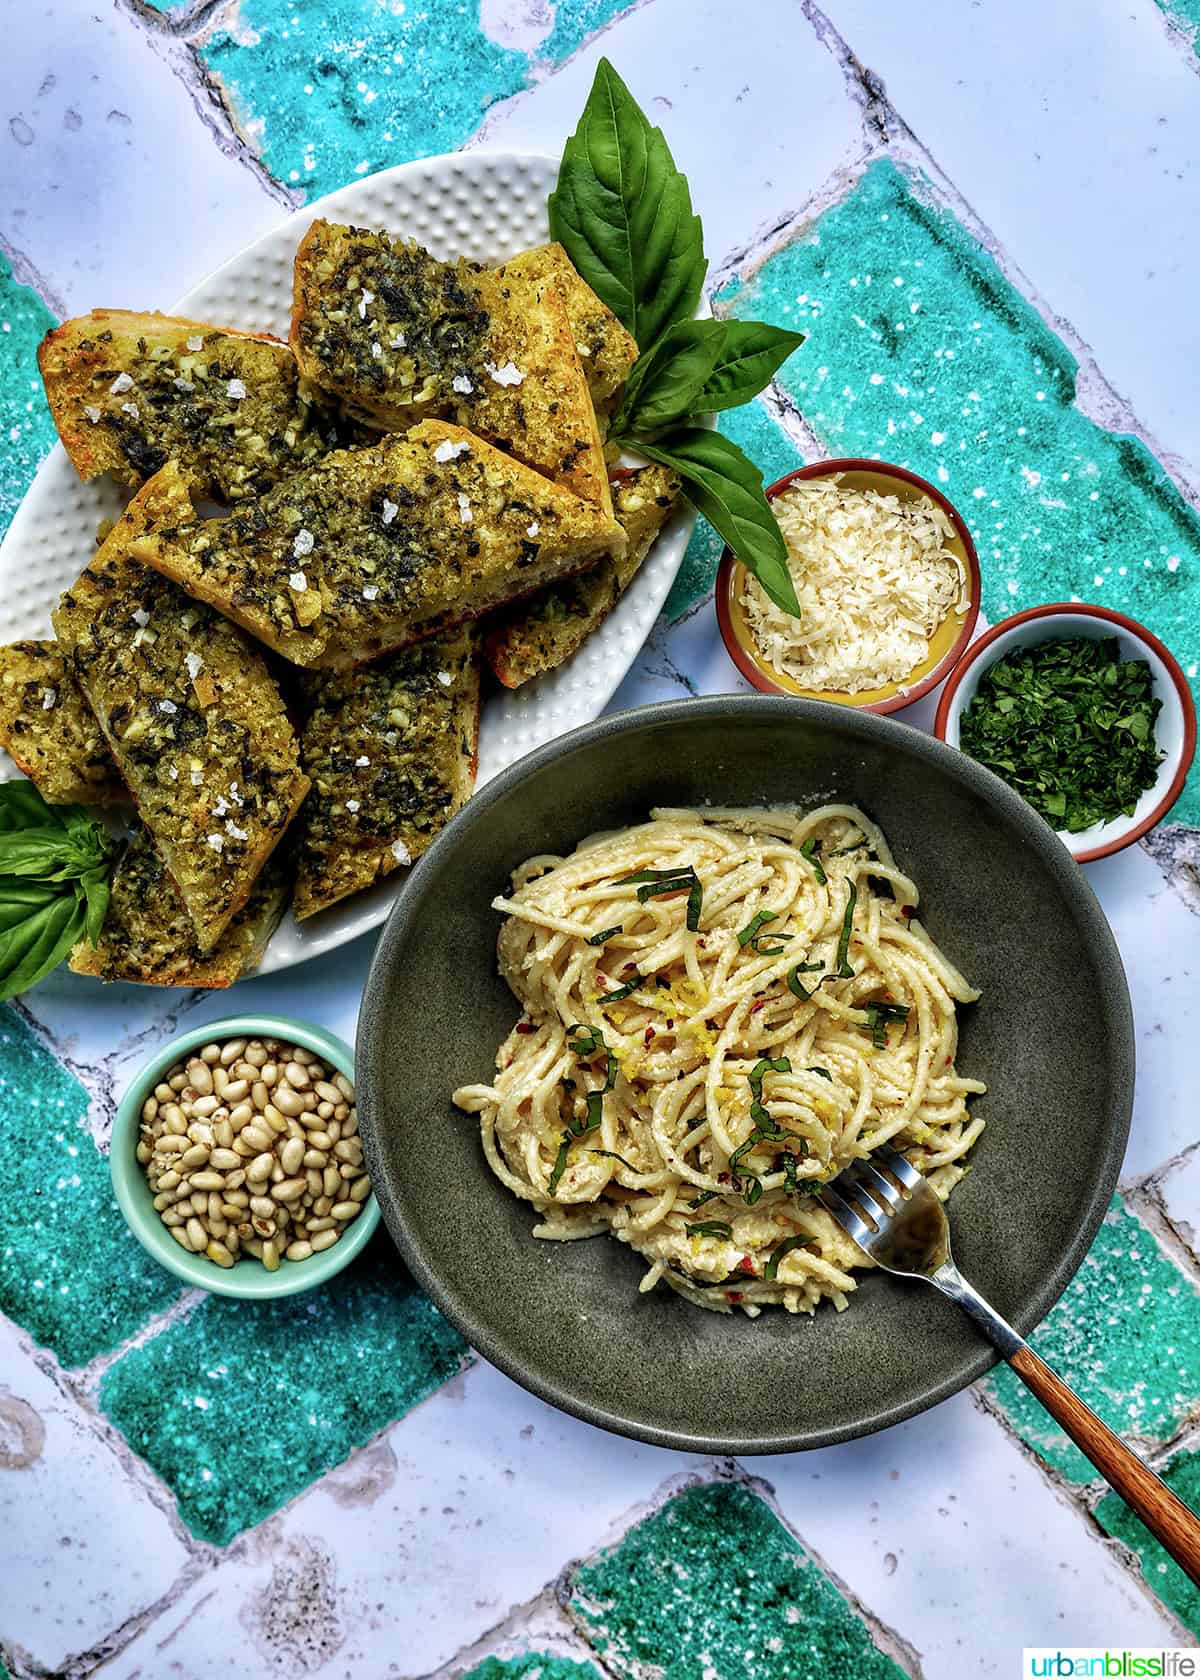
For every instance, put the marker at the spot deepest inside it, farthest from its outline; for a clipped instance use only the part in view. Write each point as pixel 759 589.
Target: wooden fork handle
pixel 1173 1525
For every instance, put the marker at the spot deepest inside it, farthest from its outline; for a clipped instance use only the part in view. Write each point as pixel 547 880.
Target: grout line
pixel 26 274
pixel 538 1623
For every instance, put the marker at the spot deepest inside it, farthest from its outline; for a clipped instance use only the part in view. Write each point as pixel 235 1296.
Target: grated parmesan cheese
pixel 874 577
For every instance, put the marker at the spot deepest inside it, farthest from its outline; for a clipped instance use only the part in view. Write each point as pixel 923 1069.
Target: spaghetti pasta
pixel 722 1009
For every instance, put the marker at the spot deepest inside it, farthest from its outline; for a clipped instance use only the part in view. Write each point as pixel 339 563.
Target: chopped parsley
pixel 1070 726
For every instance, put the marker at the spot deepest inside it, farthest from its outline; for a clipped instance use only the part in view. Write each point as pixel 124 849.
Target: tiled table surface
pixel 985 219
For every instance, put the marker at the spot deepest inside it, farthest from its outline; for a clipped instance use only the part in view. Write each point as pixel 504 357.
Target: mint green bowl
pixel 247 1279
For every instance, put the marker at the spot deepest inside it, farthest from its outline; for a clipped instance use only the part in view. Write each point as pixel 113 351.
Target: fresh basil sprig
pixel 55 862
pixel 623 213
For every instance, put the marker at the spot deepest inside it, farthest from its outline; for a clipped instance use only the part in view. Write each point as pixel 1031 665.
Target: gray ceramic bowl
pixel 1052 1036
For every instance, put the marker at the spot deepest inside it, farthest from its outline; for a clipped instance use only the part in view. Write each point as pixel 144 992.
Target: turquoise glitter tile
pixel 1163 1576
pixel 770 448
pixel 922 353
pixel 331 92
pixel 309 1378
pixel 534 1665
pixel 714 1584
pixel 70 1272
pixel 25 422
pixel 1124 1337
pixel 1185 15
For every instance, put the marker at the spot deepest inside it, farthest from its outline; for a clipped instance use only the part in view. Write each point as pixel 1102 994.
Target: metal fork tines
pixel 887 1208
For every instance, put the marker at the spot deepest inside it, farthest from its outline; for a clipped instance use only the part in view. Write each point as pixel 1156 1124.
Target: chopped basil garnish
pixel 771 1269
pixel 793 984
pixel 747 935
pixel 604 935
pixel 709 1228
pixel 657 882
pixel 613 1156
pixel 879 1018
pixel 621 991
pixel 765 1129
pixel 809 850
pixel 588 1041
pixel 824 1072
pixel 704 1196
pixel 844 970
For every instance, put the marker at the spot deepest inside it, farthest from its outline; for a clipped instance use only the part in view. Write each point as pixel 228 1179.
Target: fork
pixel 892 1212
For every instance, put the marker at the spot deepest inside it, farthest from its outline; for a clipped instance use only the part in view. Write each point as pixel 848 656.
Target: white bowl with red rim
pixel 1175 729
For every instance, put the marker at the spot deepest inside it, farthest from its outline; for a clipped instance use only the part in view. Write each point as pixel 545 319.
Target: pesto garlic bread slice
pixel 606 350
pixel 50 731
pixel 192 717
pixel 128 392
pixel 394 336
pixel 148 937
pixel 373 549
pixel 391 751
pixel 553 624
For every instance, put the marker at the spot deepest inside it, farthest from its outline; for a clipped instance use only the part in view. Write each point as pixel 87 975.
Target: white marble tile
pixel 960 1545
pixel 465 1508
pixel 758 115
pixel 1073 131
pixel 82 1548
pixel 1180 1191
pixel 114 189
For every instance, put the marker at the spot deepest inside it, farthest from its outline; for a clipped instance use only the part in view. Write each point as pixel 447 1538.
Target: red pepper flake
pixel 755 1007
pixel 745 1264
pixel 629 967
pixel 908 910
pixel 671 1023
pixel 602 981
pixel 733 1296
pixel 711 1025
pixel 526 1027
pixel 724 1178
pixel 649 1034
pixel 618 475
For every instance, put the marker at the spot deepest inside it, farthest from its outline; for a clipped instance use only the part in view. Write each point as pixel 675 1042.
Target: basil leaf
pixel 22 806
pixel 809 850
pixel 844 970
pixel 623 212
pixel 748 358
pixel 727 488
pixel 664 386
pixel 96 884
pixel 777 1253
pixel 621 991
pixel 604 935
pixel 613 1156
pixel 704 1196
pixel 746 936
pixel 710 1228
pixel 37 940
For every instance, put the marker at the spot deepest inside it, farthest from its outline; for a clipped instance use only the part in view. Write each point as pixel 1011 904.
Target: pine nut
pixel 257 1138
pixel 218 1252
pixel 196 1234
pixel 291 1156
pixel 223 1134
pixel 350 1124
pixel 259 1169
pixel 235 1180
pixel 322 1223
pixel 344 1086
pixel 333 1130
pixel 218 1227
pixel 348 1149
pixel 324 1110
pixel 170 1218
pixel 168 1180
pixel 196 1156
pixel 200 1076
pixel 289 1189
pixel 263 1206
pixel 232 1051
pixel 322 1240
pixel 204 1106
pixel 231 1212
pixel 178 1082
pixel 315 1158
pixel 315 1182
pixel 236 1090
pixel 264 1226
pixel 207 1181
pixel 274 1119
pixel 320 1140
pixel 220 1080
pixel 269 1073
pixel 256 1053
pixel 259 1094
pixel 181 1237
pixel 346 1210
pixel 225 1159
pixel 270 1256
pixel 234 1194
pixel 169 1144
pixel 161 1202
pixel 360 1189
pixel 149 1108
pixel 163 1093
pixel 323 1204
pixel 173 1117
pixel 298 1250
pixel 211 1053
pixel 341 1112
pixel 286 1100
pixel 240 1115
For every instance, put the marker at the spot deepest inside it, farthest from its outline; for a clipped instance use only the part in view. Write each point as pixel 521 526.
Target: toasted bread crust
pixel 555 623
pixel 395 336
pixel 193 719
pixel 128 393
pixel 607 351
pixel 392 752
pixel 49 731
pixel 375 549
pixel 148 936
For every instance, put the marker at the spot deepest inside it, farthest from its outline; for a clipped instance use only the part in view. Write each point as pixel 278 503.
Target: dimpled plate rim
pixel 486 205
pixel 485 1320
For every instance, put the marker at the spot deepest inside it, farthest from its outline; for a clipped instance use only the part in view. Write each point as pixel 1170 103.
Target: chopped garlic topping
pixel 874 577
pixel 352 805
pixel 131 409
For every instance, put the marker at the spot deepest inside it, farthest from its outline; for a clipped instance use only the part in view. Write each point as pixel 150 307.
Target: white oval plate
pixel 485 205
